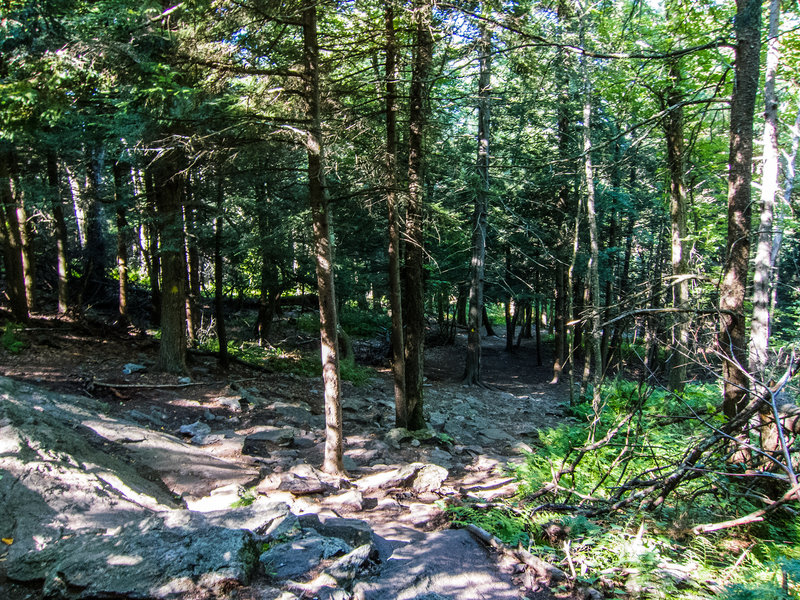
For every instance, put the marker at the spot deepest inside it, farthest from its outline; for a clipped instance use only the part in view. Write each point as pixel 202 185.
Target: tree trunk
pixel 168 186
pixel 562 291
pixel 594 243
pixel 320 214
pixel 193 265
pixel 732 337
pixel 760 323
pixel 461 305
pixel 121 202
pixel 95 265
pixel 673 128
pixel 472 369
pixel 414 302
pixel 392 204
pixel 270 288
pixel 219 280
pixel 12 237
pixel 153 250
pixel 62 266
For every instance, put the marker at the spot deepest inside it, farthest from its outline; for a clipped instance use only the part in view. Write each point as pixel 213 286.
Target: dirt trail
pixel 279 431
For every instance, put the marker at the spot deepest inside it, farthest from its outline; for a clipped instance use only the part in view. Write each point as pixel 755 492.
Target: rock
pixel 144 559
pixel 256 443
pixel 129 368
pixel 219 499
pixel 353 531
pixel 437 421
pixel 261 516
pixel 233 403
pixel 292 559
pixel 448 564
pixel 349 500
pixel 294 413
pixel 441 457
pixel 345 569
pixel 284 526
pixel 394 437
pixel 429 478
pixel 349 464
pixel 197 431
pixel 333 594
pixel 302 486
pixel 495 435
pixel 400 477
pixel 209 416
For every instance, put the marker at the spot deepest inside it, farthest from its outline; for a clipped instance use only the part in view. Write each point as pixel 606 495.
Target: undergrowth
pixel 296 362
pixel 581 469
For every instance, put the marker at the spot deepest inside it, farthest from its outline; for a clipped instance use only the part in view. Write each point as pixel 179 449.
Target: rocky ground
pixel 124 488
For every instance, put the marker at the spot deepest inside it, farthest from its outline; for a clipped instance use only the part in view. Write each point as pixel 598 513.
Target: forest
pixel 610 183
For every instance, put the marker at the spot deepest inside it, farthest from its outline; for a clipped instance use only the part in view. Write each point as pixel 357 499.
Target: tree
pixel 762 274
pixel 472 370
pixel 395 293
pixel 414 316
pixel 747 28
pixel 320 211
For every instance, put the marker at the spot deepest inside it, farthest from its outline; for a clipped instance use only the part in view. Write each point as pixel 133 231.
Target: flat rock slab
pixel 145 559
pixel 187 470
pixel 449 565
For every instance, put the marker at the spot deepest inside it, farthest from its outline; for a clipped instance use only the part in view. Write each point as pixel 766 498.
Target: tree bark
pixel 760 323
pixel 168 184
pixel 219 279
pixel 153 251
pixel 414 302
pixel 12 238
pixel 320 214
pixel 562 291
pixel 121 205
pixel 472 369
pixel 192 264
pixel 594 243
pixel 732 337
pixel 392 205
pixel 673 129
pixel 95 264
pixel 62 266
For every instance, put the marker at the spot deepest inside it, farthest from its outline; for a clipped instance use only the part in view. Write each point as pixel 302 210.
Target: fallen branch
pixel 542 568
pixel 753 517
pixel 109 384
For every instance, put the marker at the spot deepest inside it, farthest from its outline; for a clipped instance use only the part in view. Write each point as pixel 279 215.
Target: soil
pixel 501 419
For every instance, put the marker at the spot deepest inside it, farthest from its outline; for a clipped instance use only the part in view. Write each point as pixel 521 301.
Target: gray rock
pixel 495 435
pixel 346 568
pixel 353 531
pixel 197 431
pixel 260 517
pixel 349 500
pixel 292 559
pixel 232 403
pixel 394 437
pixel 400 477
pixel 327 593
pixel 294 413
pixel 259 442
pixel 129 368
pixel 145 559
pixel 429 478
pixel 285 526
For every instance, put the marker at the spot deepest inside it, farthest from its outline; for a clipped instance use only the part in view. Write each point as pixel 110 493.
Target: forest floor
pixel 481 431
